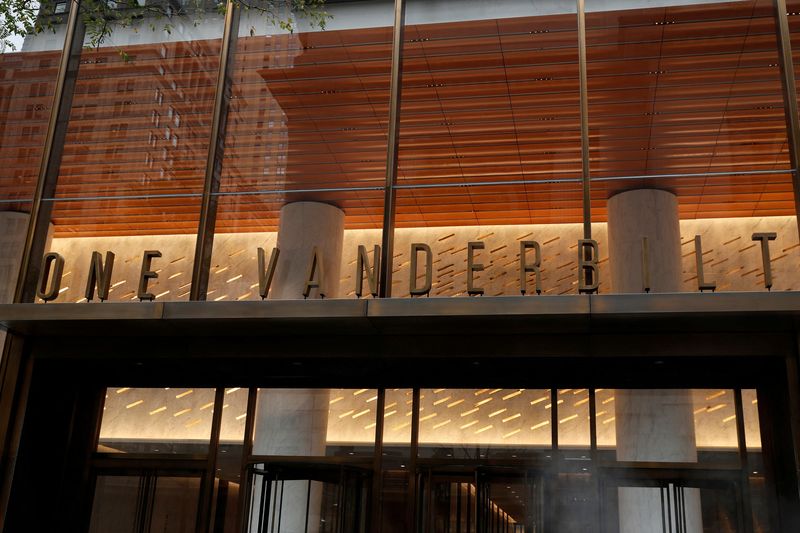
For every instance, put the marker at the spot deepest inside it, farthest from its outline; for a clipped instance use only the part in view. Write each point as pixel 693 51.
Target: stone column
pixel 294 422
pixel 303 226
pixel 652 425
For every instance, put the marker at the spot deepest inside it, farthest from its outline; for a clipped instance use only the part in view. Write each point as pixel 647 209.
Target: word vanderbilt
pixel 530 259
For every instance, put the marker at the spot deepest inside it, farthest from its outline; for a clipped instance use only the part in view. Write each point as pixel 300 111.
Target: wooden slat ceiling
pixel 682 91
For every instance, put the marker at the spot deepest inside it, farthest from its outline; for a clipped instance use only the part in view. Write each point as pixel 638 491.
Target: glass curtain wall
pixel 482 459
pixel 28 72
pixel 305 156
pixel 490 148
pixel 683 97
pixel 686 97
pixel 133 166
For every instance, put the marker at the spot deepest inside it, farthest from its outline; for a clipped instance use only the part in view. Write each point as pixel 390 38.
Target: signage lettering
pixel 530 261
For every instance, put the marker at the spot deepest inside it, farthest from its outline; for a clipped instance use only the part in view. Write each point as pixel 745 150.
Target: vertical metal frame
pixel 790 107
pixel 377 462
pixel 584 108
pixel 216 148
pixel 389 198
pixel 247 453
pixel 413 477
pixel 36 238
pixel 208 482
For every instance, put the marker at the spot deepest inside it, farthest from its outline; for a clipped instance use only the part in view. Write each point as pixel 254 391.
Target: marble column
pixel 303 226
pixel 294 422
pixel 651 425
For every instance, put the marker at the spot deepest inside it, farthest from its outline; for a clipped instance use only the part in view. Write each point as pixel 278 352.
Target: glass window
pixel 133 167
pixel 489 147
pixel 687 98
pixel 28 74
pixel 164 421
pixel 668 425
pixel 154 503
pixel 315 422
pixel 483 423
pixel 305 154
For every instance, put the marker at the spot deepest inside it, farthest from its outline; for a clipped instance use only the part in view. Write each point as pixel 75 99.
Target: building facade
pixel 441 266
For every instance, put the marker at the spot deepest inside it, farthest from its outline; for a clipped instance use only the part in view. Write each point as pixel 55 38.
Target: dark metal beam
pixel 389 198
pixel 216 148
pixel 584 108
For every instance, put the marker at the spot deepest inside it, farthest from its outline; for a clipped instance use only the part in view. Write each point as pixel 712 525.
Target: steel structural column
pixel 36 238
pixel 389 199
pixel 790 109
pixel 789 97
pixel 216 148
pixel 584 105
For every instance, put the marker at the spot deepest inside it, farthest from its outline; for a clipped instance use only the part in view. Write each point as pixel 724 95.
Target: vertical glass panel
pixel 135 503
pixel 133 167
pixel 395 497
pixel 489 145
pixel 483 423
pixel 115 506
pixel 307 124
pixel 752 428
pixel 573 418
pixel 686 97
pixel 175 504
pixel 315 422
pixel 227 480
pixel 161 421
pixel 697 425
pixel 28 72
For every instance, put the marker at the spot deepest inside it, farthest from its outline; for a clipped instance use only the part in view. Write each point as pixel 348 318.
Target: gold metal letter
pixel 426 287
pixel 473 267
pixel 362 264
pixel 55 263
pixel 265 273
pixel 313 267
pixel 588 273
pixel 524 267
pixel 147 275
pixel 99 276
pixel 765 238
pixel 702 284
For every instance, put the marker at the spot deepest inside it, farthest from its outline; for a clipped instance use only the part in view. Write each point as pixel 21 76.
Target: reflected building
pixel 441 267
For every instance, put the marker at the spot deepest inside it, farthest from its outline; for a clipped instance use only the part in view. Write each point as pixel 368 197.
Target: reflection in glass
pixel 147 502
pixel 307 122
pixel 315 422
pixel 164 421
pixel 483 423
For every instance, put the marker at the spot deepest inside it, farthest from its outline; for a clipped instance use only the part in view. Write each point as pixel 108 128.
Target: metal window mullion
pixel 789 87
pixel 216 148
pixel 207 485
pixel 584 108
pixel 393 146
pixel 377 462
pixel 247 452
pixel 38 225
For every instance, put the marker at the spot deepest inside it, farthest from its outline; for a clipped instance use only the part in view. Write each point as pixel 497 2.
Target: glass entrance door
pixel 673 499
pixel 308 498
pixel 480 500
